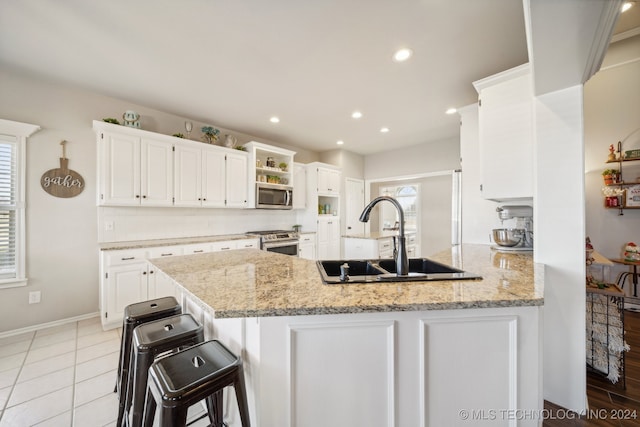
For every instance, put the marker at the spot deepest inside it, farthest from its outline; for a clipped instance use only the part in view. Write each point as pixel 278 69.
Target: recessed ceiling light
pixel 384 130
pixel 341 142
pixel 451 111
pixel 627 5
pixel 356 114
pixel 402 55
pixel 274 119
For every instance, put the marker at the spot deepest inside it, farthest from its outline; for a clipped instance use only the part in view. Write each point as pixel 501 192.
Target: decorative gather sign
pixel 62 182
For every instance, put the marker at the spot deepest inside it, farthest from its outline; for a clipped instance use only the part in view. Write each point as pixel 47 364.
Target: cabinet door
pixel 328 181
pixel 299 186
pixel 307 246
pixel 236 180
pixel 213 178
pixel 156 173
pixel 328 238
pixel 126 284
pixel 160 285
pixel 506 145
pixel 334 181
pixel 121 170
pixel 307 252
pixel 188 176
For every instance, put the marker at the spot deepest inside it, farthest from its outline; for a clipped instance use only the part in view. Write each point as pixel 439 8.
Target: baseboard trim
pixel 48 325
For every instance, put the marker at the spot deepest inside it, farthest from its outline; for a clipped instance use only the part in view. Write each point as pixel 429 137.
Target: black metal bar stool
pixel 185 378
pixel 151 340
pixel 135 315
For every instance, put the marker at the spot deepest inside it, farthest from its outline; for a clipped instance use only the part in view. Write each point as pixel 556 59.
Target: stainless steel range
pixel 280 241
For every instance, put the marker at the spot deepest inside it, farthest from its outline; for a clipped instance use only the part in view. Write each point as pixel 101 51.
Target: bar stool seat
pixel 151 340
pixel 184 378
pixel 135 315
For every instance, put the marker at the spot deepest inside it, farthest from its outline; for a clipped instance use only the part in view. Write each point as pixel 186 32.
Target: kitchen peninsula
pixel 392 354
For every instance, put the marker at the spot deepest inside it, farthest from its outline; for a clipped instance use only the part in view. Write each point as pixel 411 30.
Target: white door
pixel 354 194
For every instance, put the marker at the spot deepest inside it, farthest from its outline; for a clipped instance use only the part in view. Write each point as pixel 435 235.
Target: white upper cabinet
pixel 156 177
pixel 134 171
pixel 328 181
pixel 236 180
pixel 210 176
pixel 299 186
pixel 506 134
pixel 141 168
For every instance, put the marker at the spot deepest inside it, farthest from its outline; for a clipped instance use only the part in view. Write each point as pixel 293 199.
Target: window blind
pixel 8 197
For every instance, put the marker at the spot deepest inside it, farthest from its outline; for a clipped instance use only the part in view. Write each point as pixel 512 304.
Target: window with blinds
pixel 8 206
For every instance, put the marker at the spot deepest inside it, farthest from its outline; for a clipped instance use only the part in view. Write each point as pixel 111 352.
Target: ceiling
pixel 235 64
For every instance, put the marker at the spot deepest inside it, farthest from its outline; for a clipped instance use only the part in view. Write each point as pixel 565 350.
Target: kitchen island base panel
pixel 389 369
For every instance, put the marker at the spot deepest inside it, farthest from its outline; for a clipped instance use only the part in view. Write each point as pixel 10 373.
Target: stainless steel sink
pixel 384 270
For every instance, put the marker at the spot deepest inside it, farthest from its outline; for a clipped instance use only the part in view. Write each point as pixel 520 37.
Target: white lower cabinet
pixel 328 237
pixel 356 248
pixel 127 277
pixel 421 368
pixel 307 246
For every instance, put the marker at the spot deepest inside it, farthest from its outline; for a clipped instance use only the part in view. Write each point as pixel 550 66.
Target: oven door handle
pixel 280 244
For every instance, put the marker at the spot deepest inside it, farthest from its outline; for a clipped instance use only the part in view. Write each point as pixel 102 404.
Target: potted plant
pixel 611 176
pixel 210 134
pixel 283 166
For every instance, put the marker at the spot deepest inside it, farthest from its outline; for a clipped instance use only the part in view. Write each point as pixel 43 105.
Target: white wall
pixel 62 234
pixel 612 111
pixel 418 159
pixel 559 242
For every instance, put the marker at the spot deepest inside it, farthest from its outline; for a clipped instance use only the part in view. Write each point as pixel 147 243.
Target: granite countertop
pixel 254 283
pixel 137 244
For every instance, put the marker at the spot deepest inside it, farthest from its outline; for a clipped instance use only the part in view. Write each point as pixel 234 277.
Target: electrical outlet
pixel 108 226
pixel 34 297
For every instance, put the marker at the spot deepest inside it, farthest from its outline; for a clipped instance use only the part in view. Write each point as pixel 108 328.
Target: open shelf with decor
pixel 621 193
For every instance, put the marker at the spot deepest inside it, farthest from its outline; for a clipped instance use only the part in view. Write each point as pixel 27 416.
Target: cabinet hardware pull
pixel 127 258
pixel 144 272
pixel 169 254
pixel 151 272
pixel 224 249
pixel 137 196
pixel 197 252
pixel 144 197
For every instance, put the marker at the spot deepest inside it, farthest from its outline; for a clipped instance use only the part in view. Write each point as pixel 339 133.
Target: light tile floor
pixel 61 376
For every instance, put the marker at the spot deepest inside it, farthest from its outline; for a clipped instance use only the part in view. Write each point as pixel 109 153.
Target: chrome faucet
pixel 402 262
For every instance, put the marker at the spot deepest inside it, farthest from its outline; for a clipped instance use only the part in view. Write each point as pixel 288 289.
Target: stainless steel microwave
pixel 274 196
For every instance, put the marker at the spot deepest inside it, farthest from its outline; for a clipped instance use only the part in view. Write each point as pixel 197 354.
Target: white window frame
pixel 18 132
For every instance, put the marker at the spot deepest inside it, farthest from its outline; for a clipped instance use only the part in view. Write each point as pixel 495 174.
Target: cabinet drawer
pixel 164 251
pixel 307 239
pixel 385 245
pixel 125 256
pixel 196 248
pixel 224 246
pixel 248 243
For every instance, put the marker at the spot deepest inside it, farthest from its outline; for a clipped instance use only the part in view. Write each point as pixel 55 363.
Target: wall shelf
pixel 621 199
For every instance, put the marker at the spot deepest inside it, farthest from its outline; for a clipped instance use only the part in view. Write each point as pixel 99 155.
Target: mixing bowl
pixel 507 236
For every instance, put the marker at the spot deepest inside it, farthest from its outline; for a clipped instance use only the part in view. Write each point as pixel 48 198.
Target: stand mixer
pixel 519 238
